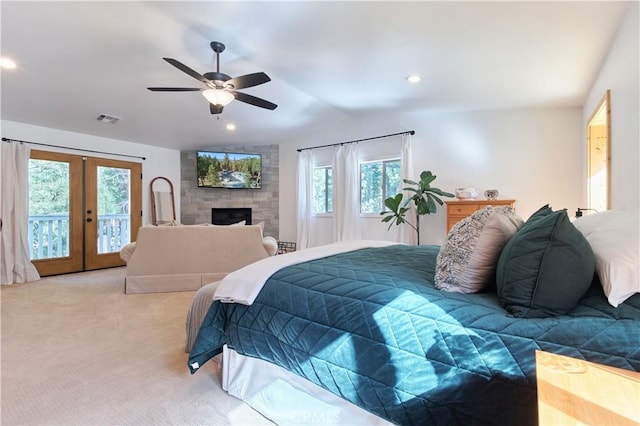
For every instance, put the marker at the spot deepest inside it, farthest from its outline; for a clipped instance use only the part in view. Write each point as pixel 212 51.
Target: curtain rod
pixel 409 132
pixel 75 149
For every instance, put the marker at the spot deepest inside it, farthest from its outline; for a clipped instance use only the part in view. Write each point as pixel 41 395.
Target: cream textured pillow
pixel 467 260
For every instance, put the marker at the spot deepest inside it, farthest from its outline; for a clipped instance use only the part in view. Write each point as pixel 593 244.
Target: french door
pixel 82 211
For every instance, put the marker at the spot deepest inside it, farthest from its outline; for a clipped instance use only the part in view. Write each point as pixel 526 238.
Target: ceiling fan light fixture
pixel 218 96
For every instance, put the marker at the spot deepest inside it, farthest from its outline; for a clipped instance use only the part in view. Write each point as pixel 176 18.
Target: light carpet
pixel 77 351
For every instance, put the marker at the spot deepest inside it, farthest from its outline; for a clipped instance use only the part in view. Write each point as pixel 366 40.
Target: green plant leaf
pixel 426 178
pixel 424 198
pixel 422 207
pixel 393 203
pixel 431 206
pixel 434 198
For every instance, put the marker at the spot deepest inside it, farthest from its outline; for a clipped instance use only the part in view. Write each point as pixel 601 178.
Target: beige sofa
pixel 183 258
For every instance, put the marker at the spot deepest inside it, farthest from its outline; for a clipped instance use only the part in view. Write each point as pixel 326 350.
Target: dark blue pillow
pixel 546 267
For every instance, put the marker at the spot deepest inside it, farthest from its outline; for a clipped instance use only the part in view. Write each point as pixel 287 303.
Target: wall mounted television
pixel 219 169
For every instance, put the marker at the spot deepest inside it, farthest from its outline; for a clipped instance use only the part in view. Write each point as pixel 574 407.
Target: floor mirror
pixel 163 207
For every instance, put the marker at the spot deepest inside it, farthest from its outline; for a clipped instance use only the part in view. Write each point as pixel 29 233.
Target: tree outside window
pixel 378 180
pixel 322 190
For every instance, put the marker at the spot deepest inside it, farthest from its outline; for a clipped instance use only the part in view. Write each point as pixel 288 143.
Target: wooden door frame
pixel 94 260
pixel 605 102
pixel 82 170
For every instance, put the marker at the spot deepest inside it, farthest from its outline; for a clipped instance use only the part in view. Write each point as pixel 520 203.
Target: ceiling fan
pixel 220 88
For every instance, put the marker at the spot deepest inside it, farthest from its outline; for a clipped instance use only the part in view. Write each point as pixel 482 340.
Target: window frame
pixel 326 212
pixel 384 162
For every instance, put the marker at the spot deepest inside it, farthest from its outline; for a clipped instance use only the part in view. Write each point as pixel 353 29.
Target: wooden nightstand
pixel 460 209
pixel 577 392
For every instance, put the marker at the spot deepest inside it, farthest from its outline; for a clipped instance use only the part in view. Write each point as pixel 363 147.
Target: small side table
pixel 576 392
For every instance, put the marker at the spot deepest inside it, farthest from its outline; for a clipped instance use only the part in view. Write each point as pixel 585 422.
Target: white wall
pixel 620 73
pixel 534 156
pixel 158 162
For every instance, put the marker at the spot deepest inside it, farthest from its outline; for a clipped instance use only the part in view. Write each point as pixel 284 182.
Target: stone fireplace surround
pixel 196 203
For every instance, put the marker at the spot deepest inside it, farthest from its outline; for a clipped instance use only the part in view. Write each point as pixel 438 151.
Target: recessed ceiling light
pixel 231 126
pixel 7 63
pixel 414 78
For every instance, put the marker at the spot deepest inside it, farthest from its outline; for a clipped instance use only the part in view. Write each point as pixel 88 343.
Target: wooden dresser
pixel 460 209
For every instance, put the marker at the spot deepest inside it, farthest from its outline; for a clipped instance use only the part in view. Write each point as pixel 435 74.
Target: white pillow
pixel 241 223
pixel 614 237
pixel 592 221
pixel 467 260
pixel 170 223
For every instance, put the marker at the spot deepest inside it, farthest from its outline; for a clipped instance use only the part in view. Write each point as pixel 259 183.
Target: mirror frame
pixel 154 219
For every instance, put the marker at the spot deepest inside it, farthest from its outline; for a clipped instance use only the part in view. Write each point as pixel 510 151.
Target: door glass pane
pixel 48 209
pixel 114 201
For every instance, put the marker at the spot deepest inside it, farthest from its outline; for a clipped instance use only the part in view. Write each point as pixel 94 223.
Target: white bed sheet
pixel 286 398
pixel 243 285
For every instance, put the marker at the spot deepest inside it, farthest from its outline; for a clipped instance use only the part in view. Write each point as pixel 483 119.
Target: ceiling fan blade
pixel 182 67
pixel 248 80
pixel 215 109
pixel 252 100
pixel 173 89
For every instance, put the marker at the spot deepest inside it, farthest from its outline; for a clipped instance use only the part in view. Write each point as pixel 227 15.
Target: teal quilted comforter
pixel 370 326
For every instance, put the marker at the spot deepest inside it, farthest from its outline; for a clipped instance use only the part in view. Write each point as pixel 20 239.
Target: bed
pixel 368 329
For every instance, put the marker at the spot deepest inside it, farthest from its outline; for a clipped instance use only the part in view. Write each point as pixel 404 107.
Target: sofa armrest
pixel 127 251
pixel 270 245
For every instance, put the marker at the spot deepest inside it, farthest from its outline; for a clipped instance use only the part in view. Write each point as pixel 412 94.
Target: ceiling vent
pixel 111 119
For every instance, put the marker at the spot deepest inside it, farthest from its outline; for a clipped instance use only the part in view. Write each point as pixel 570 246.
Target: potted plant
pixel 424 198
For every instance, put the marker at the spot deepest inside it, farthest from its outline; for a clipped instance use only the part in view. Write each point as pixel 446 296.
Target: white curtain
pixel 346 193
pixel 406 234
pixel 15 263
pixel 305 195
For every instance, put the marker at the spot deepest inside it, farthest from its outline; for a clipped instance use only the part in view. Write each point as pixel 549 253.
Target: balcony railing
pixel 49 234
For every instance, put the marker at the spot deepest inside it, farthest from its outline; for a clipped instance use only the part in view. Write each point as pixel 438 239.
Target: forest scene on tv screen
pixel 229 170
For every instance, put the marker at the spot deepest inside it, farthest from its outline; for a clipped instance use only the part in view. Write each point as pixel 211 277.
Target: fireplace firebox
pixel 228 216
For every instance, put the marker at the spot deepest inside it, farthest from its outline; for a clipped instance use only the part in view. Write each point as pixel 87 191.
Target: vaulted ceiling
pixel 328 61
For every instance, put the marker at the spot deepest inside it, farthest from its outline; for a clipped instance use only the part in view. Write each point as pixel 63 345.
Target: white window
pixel 378 181
pixel 322 190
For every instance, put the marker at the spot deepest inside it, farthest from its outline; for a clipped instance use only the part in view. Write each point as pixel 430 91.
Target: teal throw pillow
pixel 546 267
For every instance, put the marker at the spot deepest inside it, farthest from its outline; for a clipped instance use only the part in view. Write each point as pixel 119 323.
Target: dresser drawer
pixel 462 209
